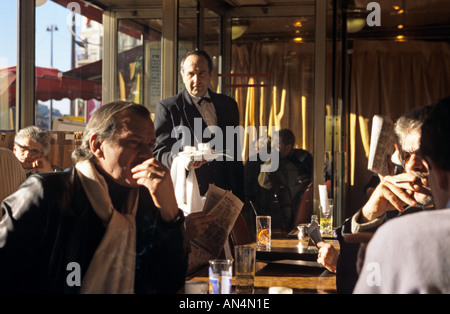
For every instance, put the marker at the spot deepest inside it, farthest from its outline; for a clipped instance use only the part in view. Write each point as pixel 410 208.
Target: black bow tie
pixel 207 99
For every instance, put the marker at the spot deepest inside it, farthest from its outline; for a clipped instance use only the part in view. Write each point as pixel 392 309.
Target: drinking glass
pixel 263 233
pixel 326 218
pixel 244 268
pixel 220 276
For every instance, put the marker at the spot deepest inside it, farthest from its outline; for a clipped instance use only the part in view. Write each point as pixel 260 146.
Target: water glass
pixel 244 268
pixel 220 276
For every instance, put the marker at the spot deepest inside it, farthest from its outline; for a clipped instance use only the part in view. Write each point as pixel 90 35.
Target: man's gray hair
pixel 411 123
pixel 104 123
pixel 37 135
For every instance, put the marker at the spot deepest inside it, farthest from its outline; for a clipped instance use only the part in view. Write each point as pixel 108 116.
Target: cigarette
pixel 400 182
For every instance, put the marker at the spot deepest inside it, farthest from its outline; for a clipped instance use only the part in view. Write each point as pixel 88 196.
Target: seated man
pixel 31 147
pixel 394 196
pixel 409 255
pixel 110 224
pixel 289 182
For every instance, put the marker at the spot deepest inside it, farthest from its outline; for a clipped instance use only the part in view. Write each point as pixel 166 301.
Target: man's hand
pixel 197 223
pixel 156 178
pixel 327 256
pixel 42 165
pixel 393 193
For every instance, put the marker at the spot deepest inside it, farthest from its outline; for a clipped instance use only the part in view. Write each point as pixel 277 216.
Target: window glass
pixel 68 63
pixel 139 61
pixel 8 63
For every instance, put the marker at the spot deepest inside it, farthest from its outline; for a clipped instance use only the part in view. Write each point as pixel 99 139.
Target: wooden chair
pixel 305 209
pixel 12 174
pixel 239 235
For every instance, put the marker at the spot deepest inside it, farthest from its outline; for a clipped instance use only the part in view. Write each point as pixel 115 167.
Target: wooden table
pixel 287 266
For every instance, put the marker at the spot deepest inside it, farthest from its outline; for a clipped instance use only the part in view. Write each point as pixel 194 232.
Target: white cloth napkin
pixel 186 188
pixel 112 268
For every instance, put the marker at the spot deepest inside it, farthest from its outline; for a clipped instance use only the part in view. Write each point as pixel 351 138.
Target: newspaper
pixel 225 207
pixel 381 145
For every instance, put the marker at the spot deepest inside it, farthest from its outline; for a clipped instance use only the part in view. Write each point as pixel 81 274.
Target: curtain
pixel 273 86
pixel 390 78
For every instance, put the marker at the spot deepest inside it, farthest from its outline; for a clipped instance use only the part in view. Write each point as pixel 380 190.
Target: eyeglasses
pixel 406 155
pixel 33 152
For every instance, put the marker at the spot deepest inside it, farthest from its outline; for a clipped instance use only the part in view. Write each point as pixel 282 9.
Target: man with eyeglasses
pixel 407 191
pixel 31 147
pixel 418 260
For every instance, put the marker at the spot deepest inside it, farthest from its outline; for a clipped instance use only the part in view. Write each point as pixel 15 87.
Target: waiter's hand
pixel 191 162
pixel 156 178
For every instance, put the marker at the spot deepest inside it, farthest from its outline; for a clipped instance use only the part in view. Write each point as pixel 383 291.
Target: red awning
pixel 51 84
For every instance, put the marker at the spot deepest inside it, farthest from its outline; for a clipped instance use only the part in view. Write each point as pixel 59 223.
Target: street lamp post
pixel 51 29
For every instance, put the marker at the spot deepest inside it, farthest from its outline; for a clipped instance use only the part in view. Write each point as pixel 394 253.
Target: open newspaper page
pixel 225 207
pixel 381 145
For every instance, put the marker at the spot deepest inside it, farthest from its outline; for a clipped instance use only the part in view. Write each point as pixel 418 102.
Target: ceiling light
pixel 354 25
pixel 238 28
pixel 400 38
pixel 298 39
pixel 237 31
pixel 400 26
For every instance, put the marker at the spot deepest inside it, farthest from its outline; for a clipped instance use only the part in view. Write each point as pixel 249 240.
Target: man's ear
pixel 95 144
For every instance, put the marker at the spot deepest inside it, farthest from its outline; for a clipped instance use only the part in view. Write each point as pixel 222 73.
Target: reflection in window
pixel 272 74
pixel 8 62
pixel 68 62
pixel 139 61
pixel 192 34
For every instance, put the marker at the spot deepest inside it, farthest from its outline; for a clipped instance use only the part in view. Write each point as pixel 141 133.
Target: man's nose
pixel 415 163
pixel 27 154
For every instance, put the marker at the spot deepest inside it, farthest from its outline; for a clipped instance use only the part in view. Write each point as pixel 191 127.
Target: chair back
pixel 12 173
pixel 305 209
pixel 239 235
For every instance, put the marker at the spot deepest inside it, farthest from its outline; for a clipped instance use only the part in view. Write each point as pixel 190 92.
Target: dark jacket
pixel 49 223
pixel 289 183
pixel 179 111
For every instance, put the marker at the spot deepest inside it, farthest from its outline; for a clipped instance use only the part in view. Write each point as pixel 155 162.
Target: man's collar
pixel 196 99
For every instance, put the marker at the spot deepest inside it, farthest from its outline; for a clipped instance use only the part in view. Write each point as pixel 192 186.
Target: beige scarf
pixel 112 267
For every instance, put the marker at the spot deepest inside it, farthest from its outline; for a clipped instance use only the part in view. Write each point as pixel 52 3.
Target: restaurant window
pixel 8 63
pixel 195 32
pixel 68 63
pixel 139 60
